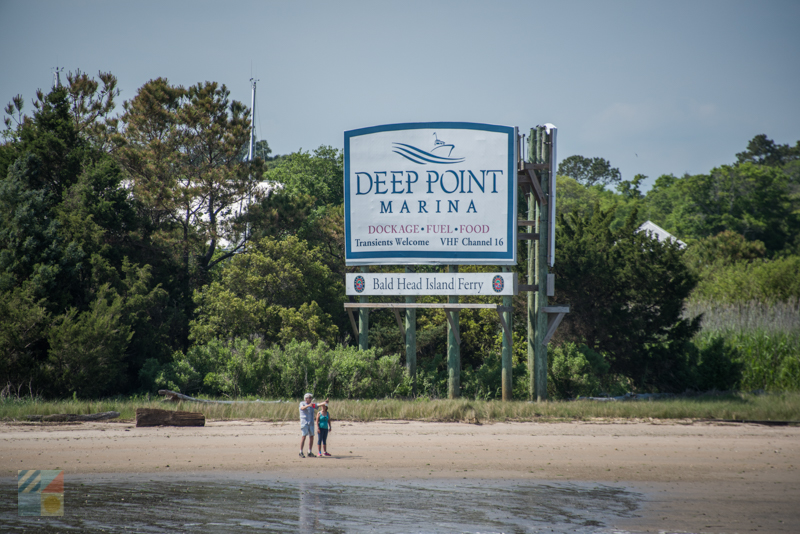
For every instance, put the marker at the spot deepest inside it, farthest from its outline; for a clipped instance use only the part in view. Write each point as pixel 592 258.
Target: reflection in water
pixel 212 504
pixel 309 507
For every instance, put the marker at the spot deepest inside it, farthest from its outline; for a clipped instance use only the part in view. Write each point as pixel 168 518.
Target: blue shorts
pixel 308 429
pixel 323 437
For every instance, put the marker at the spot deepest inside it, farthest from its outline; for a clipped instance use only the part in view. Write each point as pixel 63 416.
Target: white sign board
pixel 430 193
pixel 488 284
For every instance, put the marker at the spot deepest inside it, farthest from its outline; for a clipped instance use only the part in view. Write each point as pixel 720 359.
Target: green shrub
pixel 765 281
pixel 245 368
pixel 770 360
pixel 725 248
pixel 574 370
pixel 719 364
pixel 359 374
pixel 87 349
pixel 758 340
pixel 485 382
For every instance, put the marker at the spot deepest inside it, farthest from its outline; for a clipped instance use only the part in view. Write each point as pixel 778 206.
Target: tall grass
pixel 730 406
pixel 747 316
pixel 764 338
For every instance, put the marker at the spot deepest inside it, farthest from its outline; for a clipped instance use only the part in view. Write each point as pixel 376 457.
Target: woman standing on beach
pixel 323 427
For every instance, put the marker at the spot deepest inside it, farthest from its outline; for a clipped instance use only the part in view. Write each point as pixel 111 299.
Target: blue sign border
pixel 443 257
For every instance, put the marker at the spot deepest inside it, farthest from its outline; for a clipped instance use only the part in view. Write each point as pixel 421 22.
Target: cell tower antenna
pixel 251 153
pixel 57 76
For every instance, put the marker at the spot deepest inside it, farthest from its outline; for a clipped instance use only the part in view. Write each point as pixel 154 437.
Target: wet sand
pixel 694 477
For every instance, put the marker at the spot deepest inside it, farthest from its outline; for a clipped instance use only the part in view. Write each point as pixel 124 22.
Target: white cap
pixel 307 395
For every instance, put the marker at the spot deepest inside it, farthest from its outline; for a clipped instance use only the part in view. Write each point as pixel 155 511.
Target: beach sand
pixel 695 477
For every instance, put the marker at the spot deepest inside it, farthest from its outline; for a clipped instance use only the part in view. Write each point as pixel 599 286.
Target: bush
pixel 178 375
pixel 724 248
pixel 765 281
pixel 485 382
pixel 719 366
pixel 770 360
pixel 87 349
pixel 245 368
pixel 574 370
pixel 752 345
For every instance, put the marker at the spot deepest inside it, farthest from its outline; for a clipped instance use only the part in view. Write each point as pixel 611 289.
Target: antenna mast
pixel 57 77
pixel 252 152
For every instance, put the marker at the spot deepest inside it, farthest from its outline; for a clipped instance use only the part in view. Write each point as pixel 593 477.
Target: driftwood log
pixel 174 396
pixel 156 417
pixel 69 417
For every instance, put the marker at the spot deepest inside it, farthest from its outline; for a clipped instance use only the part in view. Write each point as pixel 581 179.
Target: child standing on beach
pixel 323 427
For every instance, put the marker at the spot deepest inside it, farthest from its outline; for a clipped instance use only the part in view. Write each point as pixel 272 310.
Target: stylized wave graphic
pixel 421 157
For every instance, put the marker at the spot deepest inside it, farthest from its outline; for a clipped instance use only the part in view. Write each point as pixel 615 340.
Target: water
pixel 234 503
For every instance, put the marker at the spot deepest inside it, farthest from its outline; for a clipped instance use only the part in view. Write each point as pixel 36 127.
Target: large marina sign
pixel 430 193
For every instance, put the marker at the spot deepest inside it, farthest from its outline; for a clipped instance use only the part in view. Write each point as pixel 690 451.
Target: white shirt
pixel 307 413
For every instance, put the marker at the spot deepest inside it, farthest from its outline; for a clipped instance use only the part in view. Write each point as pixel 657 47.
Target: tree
pixel 91 110
pixel 724 248
pixel 753 201
pixel 87 349
pixel 82 310
pixel 576 198
pixel 589 171
pixel 318 175
pixel 182 149
pixel 764 151
pixel 22 327
pixel 664 204
pixel 626 293
pixel 629 189
pixel 277 290
pixel 310 200
pixel 262 151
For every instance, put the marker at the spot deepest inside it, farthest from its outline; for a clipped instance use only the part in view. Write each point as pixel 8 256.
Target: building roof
pixel 656 232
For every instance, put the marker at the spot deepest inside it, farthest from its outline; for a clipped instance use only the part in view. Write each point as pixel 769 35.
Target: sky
pixel 654 87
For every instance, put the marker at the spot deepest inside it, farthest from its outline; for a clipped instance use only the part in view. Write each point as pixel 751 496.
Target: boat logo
pixel 421 157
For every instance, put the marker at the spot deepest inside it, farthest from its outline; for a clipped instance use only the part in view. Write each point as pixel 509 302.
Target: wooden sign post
pixel 411 339
pixel 538 267
pixel 453 346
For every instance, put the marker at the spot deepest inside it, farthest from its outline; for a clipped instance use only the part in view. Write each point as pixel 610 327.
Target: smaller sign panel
pixel 486 284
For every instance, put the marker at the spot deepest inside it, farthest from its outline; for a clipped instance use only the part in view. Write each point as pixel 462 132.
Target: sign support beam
pixel 508 345
pixel 411 339
pixel 453 346
pixel 540 345
pixel 353 324
pixel 554 316
pixel 531 316
pixel 363 320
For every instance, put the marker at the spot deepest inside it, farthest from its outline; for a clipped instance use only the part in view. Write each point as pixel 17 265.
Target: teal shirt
pixel 323 421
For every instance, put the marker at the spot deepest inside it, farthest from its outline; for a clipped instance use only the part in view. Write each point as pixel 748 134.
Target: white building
pixel 656 232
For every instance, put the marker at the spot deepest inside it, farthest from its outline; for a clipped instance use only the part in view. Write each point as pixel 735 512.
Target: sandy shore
pixel 695 477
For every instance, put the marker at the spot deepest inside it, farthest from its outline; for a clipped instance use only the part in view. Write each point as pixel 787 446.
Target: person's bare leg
pixel 302 443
